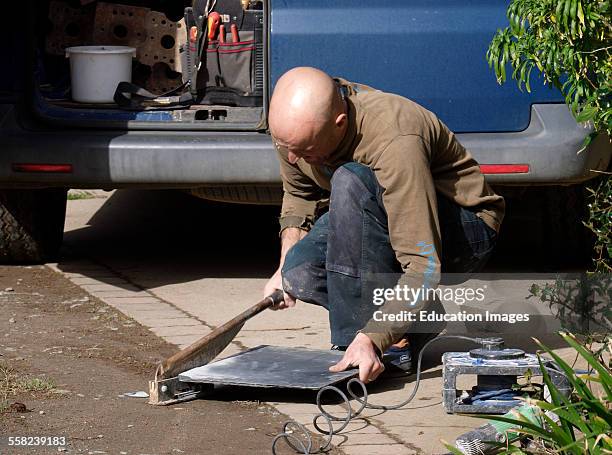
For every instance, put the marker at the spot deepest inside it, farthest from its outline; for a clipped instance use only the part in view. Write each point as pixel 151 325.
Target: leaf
pixel 526 425
pixel 573 17
pixel 558 399
pixel 527 82
pixel 566 13
pixel 578 384
pixel 559 10
pixel 587 140
pixel 562 436
pixel 454 450
pixel 580 12
pixel 587 113
pixel 603 373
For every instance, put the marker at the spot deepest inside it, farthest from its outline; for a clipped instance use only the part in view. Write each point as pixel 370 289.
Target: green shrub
pixel 569 42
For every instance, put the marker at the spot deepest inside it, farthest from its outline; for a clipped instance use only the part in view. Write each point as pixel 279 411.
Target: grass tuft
pixel 11 384
pixel 77 194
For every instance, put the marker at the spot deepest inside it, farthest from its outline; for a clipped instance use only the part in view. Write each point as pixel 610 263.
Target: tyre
pixel 241 194
pixel 31 225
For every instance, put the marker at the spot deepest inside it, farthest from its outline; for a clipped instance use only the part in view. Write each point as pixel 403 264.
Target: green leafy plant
pixel 569 42
pixel 581 303
pixel 600 214
pixel 578 424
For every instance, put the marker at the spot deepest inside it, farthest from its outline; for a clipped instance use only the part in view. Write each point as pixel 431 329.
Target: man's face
pixel 311 153
pixel 314 145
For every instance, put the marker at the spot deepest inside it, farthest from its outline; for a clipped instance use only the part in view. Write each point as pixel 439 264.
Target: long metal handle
pixel 209 346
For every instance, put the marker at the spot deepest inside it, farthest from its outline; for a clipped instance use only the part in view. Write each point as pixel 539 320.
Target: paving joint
pixel 93 265
pixel 114 273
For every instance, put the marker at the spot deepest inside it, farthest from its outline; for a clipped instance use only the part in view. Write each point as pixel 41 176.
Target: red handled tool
pixel 235 36
pixel 214 20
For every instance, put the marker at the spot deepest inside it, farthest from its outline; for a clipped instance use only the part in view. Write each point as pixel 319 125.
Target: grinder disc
pixel 502 354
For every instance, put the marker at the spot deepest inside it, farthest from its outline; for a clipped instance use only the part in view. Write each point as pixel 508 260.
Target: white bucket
pixel 96 71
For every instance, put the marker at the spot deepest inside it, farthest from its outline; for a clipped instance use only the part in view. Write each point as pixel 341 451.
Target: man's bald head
pixel 307 114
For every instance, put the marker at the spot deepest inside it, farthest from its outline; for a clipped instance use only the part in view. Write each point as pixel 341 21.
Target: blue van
pixel 217 145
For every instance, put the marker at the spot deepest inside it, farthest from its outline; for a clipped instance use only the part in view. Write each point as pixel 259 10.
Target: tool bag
pixel 228 75
pixel 213 72
pixel 236 63
pixel 231 73
pixel 224 72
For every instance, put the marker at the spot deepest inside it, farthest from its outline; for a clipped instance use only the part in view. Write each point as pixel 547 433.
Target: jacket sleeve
pixel 301 196
pixel 409 198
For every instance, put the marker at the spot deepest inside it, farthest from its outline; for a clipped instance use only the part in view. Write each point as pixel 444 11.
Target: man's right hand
pixel 289 237
pixel 272 285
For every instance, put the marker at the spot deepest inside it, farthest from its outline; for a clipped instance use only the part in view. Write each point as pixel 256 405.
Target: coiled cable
pixel 304 445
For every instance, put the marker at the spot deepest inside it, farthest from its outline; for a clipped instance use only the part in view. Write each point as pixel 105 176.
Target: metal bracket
pixel 164 392
pixel 455 364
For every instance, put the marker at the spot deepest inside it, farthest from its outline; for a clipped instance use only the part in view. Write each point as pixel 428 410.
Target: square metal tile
pixel 273 366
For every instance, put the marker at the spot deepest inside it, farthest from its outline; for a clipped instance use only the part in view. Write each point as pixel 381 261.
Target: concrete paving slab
pixel 104 287
pixel 191 330
pixel 123 294
pixel 203 281
pixel 358 426
pixel 147 315
pixel 145 302
pixel 184 322
pixel 367 439
pixel 419 427
pixel 182 340
pixel 126 304
pixel 80 280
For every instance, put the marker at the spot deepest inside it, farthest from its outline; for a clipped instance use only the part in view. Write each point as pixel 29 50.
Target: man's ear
pixel 341 120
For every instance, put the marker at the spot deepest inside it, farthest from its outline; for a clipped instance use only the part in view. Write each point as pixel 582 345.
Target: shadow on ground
pixel 178 237
pixel 182 238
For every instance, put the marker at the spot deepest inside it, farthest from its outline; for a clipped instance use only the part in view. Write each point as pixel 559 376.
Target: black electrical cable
pixel 299 446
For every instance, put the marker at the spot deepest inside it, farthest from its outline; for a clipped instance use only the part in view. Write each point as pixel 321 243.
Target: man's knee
pixel 302 271
pixel 291 274
pixel 353 178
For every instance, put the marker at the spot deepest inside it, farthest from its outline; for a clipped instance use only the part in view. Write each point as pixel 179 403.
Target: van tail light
pixel 504 168
pixel 43 168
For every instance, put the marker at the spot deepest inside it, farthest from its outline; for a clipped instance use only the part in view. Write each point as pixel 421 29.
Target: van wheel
pixel 241 194
pixel 31 225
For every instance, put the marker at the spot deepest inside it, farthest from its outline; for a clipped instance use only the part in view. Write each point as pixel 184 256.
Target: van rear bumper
pixel 547 149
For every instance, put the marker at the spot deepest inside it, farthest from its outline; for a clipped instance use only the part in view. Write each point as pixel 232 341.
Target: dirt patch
pixel 66 359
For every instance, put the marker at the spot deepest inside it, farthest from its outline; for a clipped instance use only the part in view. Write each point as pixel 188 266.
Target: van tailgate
pixel 432 51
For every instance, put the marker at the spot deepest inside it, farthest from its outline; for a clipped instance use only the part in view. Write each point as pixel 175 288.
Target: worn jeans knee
pixel 354 193
pixel 351 175
pixel 303 272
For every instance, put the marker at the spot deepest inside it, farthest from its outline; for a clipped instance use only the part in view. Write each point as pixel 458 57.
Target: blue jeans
pixel 329 266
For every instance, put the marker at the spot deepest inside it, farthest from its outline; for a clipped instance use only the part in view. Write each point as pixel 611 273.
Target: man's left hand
pixel 361 353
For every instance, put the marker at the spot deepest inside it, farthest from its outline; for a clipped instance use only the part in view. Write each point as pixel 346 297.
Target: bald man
pixel 377 191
